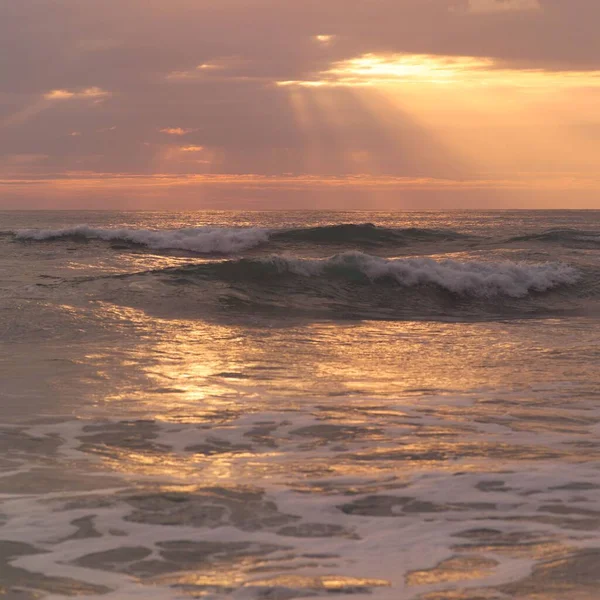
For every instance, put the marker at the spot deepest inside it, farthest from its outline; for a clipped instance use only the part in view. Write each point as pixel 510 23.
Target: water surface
pixel 282 405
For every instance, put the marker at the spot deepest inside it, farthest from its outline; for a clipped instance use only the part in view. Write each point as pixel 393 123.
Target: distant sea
pixel 278 405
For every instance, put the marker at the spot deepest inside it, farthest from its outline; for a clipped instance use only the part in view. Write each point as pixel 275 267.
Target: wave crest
pixel 481 279
pixel 562 236
pixel 364 233
pixel 230 240
pixel 203 240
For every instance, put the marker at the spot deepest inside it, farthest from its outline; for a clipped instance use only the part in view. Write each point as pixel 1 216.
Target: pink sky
pixel 384 104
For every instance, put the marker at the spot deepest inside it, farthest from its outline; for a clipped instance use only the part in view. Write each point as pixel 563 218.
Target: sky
pixel 292 104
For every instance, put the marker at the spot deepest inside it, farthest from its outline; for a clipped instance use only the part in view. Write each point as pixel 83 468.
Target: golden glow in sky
pixel 91 92
pixel 381 69
pixel 479 122
pixel 324 38
pixel 175 130
pixel 499 6
pixel 455 94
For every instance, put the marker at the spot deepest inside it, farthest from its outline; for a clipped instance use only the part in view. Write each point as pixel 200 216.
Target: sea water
pixel 298 404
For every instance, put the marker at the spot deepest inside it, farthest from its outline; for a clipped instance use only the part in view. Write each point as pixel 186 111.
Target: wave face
pixel 203 240
pixel 292 270
pixel 562 236
pixel 221 240
pixel 352 285
pixel 480 279
pixel 364 233
pixel 234 240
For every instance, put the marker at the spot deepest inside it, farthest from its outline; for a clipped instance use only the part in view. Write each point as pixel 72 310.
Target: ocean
pixel 278 405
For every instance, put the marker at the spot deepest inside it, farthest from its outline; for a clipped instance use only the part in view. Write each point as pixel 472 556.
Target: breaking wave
pixel 203 240
pixel 223 240
pixel 480 279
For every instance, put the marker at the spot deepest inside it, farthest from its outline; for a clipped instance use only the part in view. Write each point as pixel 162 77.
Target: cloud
pixel 499 6
pixel 175 130
pixel 191 148
pixel 324 39
pixel 261 192
pixel 206 74
pixel 93 93
pixel 378 69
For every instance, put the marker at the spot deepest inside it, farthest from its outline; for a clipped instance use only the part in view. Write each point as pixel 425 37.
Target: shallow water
pixel 269 405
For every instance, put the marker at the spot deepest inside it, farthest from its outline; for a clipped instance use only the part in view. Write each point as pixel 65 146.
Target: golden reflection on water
pixel 177 367
pixel 231 576
pixel 212 470
pixel 409 390
pixel 458 568
pixel 329 583
pixel 174 366
pixel 234 574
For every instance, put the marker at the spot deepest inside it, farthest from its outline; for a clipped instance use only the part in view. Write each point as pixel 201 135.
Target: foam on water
pixel 469 277
pixel 347 286
pixel 297 503
pixel 226 240
pixel 203 240
pixel 231 240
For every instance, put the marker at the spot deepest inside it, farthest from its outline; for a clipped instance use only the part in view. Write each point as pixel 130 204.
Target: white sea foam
pixel 466 494
pixel 222 240
pixel 482 279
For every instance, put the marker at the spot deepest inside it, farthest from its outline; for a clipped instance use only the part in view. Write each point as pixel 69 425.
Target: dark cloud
pixel 64 43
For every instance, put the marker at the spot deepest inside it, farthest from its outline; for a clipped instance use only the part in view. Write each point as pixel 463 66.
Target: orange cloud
pixel 386 69
pixel 325 39
pixel 175 131
pixel 491 6
pixel 259 191
pixel 550 181
pixel 191 148
pixel 63 94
